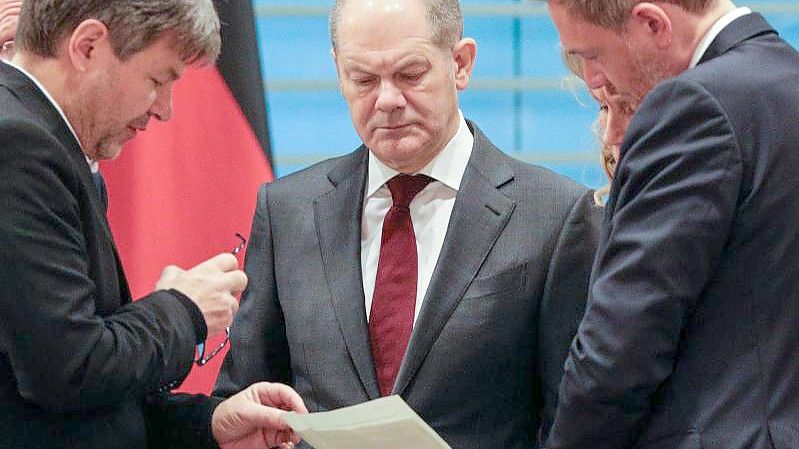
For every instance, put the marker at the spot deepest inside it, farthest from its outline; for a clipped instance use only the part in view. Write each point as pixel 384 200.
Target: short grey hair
pixel 444 21
pixel 613 14
pixel 133 25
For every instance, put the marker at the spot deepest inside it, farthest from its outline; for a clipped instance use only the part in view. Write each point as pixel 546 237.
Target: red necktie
pixel 394 300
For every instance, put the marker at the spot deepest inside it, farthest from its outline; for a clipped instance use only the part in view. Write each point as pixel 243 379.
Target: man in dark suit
pixel 689 337
pixel 458 288
pixel 81 365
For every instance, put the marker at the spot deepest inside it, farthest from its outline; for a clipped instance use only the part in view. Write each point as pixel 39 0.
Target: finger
pixel 168 275
pixel 233 281
pixel 224 262
pixel 286 439
pixel 281 396
pixel 269 419
pixel 234 307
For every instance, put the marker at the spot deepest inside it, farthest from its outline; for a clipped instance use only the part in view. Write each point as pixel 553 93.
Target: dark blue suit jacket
pixel 691 333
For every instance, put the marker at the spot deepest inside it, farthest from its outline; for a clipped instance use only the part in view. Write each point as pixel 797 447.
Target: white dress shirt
pixel 714 31
pixel 93 166
pixel 430 211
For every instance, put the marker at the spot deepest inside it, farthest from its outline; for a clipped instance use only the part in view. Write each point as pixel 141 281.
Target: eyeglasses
pixel 242 242
pixel 202 359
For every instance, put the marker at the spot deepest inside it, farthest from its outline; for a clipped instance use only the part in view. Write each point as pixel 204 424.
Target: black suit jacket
pixel 80 364
pixel 691 330
pixel 486 354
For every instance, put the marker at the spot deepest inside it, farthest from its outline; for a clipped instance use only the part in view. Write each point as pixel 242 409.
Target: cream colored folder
pixel 385 423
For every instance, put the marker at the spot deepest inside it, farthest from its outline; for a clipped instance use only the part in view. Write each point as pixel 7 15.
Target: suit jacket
pixel 690 333
pixel 486 353
pixel 80 364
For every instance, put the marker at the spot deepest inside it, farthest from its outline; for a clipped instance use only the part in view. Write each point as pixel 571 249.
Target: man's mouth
pixel 393 127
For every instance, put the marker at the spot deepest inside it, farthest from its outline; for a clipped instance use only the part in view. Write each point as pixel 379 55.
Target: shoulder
pixel 24 139
pixel 524 180
pixel 535 176
pixel 317 179
pixel 762 69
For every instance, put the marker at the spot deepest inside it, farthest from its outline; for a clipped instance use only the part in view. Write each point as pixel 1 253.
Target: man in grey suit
pixel 458 288
pixel 690 333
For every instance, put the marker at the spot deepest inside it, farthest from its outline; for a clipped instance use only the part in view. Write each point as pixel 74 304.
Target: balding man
pixel 427 263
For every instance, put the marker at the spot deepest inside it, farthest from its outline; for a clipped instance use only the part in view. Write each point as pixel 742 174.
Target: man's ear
pixel 464 54
pixel 89 43
pixel 649 21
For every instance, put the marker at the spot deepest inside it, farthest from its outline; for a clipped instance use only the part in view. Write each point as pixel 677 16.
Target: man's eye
pixel 362 81
pixel 156 82
pixel 415 76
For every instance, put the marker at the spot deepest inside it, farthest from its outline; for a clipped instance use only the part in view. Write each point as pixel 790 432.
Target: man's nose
pixel 594 78
pixel 162 106
pixel 389 97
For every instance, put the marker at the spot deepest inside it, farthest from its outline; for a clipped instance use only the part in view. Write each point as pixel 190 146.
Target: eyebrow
pixel 352 65
pixel 173 74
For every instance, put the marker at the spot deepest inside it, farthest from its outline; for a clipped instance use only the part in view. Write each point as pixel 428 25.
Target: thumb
pixel 266 417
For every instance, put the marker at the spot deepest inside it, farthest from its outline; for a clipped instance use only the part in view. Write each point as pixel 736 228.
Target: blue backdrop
pixel 520 94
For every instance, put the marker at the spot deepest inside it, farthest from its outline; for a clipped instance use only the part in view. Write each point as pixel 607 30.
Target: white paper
pixel 385 423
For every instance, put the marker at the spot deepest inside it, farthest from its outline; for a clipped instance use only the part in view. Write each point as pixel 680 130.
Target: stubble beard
pixel 650 68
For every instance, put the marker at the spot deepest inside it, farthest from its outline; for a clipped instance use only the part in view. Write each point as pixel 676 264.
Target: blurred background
pixel 520 95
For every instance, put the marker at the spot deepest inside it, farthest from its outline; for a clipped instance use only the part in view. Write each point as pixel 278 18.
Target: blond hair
pixel 613 13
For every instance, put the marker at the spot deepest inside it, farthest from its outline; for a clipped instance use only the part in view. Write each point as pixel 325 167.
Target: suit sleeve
pixel 675 196
pixel 178 421
pixel 564 298
pixel 65 354
pixel 258 349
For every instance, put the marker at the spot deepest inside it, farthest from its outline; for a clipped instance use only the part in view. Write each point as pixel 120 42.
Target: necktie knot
pixel 405 187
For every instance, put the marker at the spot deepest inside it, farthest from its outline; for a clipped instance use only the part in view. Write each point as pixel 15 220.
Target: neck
pixel 53 74
pixel 47 71
pixel 694 27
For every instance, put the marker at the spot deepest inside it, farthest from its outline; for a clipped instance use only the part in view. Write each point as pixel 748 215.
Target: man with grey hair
pixel 689 337
pixel 82 365
pixel 427 263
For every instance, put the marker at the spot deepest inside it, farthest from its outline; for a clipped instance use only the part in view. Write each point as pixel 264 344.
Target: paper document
pixel 385 423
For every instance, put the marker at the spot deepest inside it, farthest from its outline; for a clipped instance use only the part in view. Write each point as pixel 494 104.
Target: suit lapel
pixel 480 214
pixel 338 223
pixel 740 30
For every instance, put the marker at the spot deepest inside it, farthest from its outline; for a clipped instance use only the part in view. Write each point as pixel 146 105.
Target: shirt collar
pixel 714 31
pixel 447 167
pixel 93 166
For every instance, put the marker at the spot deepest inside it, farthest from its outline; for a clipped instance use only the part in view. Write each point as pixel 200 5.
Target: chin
pixel 109 152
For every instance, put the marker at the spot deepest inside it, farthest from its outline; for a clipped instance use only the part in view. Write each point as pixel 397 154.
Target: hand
pixel 251 418
pixel 9 17
pixel 212 285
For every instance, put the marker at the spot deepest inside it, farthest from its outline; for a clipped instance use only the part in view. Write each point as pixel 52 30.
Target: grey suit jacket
pixel 486 353
pixel 690 336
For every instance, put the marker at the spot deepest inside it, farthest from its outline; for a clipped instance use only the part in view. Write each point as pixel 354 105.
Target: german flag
pixel 180 191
